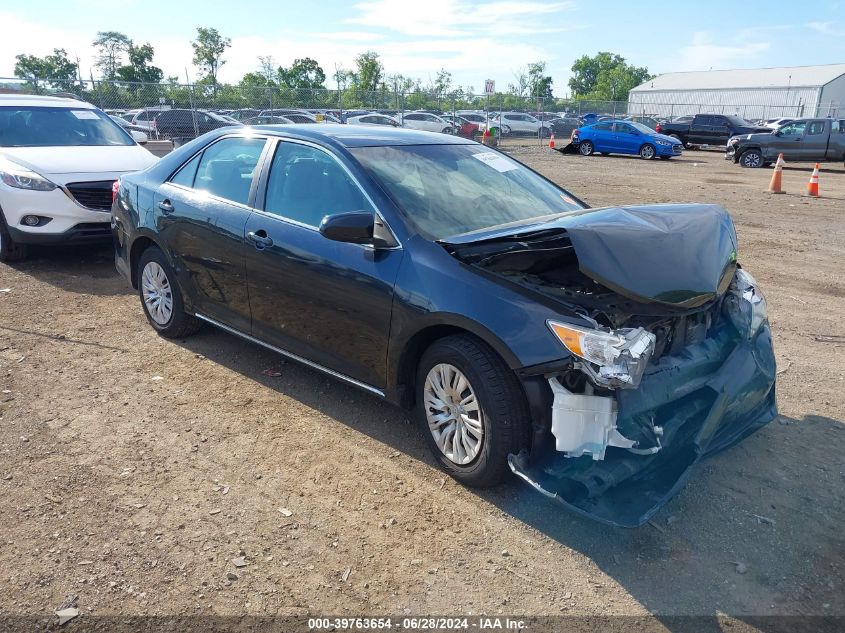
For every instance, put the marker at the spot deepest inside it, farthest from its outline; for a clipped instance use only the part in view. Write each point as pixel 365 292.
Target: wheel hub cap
pixel 158 297
pixel 453 414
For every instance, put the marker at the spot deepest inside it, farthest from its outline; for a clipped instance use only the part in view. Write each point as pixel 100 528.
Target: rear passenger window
pixel 815 127
pixel 306 184
pixel 227 167
pixel 185 176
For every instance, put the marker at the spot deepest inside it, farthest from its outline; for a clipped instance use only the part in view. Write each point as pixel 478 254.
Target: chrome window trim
pixel 292 356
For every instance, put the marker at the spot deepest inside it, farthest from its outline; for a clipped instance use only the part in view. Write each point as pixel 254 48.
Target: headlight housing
pixel 615 358
pixel 20 177
pixel 662 142
pixel 745 304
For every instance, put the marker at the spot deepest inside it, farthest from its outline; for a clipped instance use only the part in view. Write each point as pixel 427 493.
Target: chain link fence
pixel 244 102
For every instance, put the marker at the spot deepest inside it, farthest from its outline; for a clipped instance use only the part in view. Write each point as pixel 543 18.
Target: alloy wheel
pixel 647 152
pixel 157 293
pixel 751 159
pixel 453 413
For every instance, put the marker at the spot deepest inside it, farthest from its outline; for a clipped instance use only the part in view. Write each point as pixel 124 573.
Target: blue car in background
pixel 625 137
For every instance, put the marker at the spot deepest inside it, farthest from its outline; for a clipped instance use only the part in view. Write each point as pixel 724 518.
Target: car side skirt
pixel 357 383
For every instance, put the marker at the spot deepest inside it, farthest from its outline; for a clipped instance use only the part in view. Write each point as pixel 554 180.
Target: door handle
pixel 260 239
pixel 166 206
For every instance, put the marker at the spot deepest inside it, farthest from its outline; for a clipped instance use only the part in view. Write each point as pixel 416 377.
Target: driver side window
pixel 306 184
pixel 793 129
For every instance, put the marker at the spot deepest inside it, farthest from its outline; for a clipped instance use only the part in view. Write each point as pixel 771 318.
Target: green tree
pixel 520 86
pixel 267 68
pixel 370 72
pixel 53 70
pixel 139 69
pixel 539 84
pixel 605 76
pixel 208 54
pixel 304 74
pixel 255 80
pixel 111 46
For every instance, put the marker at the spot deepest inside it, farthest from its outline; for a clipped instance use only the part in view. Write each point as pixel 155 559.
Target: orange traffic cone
pixel 813 185
pixel 552 141
pixel 777 176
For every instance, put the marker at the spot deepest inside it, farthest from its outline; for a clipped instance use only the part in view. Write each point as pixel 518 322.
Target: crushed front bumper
pixel 706 398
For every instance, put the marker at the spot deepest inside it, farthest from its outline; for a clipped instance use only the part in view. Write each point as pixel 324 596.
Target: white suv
pixel 426 121
pixel 59 159
pixel 519 123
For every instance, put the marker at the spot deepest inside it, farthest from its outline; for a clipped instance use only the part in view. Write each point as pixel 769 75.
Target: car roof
pixel 362 135
pixel 43 101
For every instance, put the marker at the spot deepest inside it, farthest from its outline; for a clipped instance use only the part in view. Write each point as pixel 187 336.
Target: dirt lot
pixel 134 469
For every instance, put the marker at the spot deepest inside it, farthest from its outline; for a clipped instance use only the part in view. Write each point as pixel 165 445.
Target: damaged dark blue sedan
pixel 598 354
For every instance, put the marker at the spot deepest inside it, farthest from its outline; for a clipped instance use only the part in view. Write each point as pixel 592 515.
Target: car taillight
pixel 574 134
pixel 115 188
pixel 657 128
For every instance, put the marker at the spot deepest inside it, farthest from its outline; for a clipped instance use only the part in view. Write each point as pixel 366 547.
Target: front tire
pixel 471 410
pixel 161 297
pixel 586 148
pixel 751 158
pixel 10 251
pixel 648 152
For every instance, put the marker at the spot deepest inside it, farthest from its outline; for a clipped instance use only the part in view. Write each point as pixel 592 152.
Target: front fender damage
pixel 687 407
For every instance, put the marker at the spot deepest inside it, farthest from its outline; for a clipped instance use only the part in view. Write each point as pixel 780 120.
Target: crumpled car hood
pixel 680 255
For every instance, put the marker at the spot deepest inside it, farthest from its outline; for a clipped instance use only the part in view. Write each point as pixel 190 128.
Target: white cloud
pixel 826 28
pixel 490 43
pixel 20 36
pixel 703 54
pixel 452 18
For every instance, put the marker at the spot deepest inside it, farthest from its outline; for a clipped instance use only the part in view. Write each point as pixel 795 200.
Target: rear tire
pixel 161 298
pixel 10 251
pixel 586 148
pixel 476 378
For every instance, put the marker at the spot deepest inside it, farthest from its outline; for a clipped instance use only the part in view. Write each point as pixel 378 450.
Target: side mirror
pixel 139 137
pixel 776 132
pixel 355 227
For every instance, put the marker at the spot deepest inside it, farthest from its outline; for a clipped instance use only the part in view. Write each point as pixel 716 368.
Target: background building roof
pixel 796 76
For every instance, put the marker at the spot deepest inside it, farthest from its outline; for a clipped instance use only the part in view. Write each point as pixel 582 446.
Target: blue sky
pixel 474 40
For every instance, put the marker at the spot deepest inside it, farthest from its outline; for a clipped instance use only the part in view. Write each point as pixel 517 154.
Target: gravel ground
pixel 135 469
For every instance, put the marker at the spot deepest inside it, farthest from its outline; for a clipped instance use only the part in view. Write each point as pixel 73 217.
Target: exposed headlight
pixel 745 304
pixel 660 142
pixel 615 358
pixel 20 177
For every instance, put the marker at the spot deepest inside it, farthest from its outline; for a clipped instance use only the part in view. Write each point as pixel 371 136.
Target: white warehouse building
pixel 760 93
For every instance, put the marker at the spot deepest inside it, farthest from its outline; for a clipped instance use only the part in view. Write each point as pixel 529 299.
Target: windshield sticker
pixel 494 160
pixel 85 114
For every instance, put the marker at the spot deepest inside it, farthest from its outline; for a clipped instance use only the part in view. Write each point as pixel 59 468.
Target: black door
pixel 202 212
pixel 328 302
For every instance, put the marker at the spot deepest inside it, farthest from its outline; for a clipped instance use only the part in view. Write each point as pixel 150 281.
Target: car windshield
pixel 737 121
pixel 29 126
pixel 449 190
pixel 640 127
